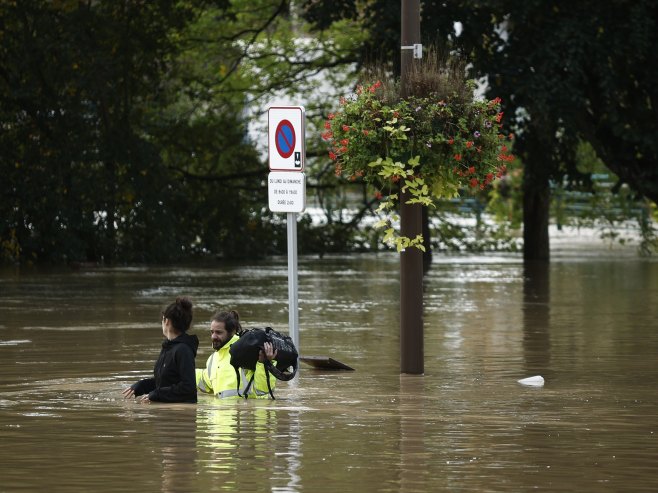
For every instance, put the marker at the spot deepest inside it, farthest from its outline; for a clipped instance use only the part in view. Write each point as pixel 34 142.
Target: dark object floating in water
pixel 324 363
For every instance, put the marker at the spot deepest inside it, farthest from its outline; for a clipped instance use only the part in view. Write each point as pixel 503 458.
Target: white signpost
pixel 286 138
pixel 286 191
pixel 286 187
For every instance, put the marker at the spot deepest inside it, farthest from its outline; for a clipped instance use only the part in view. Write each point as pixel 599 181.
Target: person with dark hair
pixel 219 377
pixel 174 378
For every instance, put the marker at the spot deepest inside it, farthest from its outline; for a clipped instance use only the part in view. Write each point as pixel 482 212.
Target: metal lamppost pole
pixel 411 260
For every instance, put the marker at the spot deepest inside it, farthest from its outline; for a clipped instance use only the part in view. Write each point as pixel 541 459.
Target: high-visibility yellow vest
pixel 218 377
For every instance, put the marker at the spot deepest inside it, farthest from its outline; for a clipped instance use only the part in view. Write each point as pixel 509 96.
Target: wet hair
pixel 230 319
pixel 180 314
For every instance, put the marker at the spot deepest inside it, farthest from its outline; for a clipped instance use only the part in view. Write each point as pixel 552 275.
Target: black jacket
pixel 175 379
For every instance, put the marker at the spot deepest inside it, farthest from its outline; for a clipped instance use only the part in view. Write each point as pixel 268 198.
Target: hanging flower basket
pixel 430 146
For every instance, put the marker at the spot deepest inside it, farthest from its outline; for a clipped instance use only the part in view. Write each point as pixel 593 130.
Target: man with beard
pixel 219 377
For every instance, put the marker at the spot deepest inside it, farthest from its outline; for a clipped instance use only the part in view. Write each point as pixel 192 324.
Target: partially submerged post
pixel 411 259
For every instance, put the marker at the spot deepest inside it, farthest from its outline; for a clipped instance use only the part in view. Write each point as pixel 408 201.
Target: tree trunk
pixel 536 203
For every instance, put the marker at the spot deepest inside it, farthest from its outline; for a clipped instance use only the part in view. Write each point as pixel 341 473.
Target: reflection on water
pixel 536 318
pixel 414 467
pixel 69 342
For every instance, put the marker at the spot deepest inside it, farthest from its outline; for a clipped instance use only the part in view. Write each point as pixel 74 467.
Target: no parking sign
pixel 286 181
pixel 286 138
pixel 287 188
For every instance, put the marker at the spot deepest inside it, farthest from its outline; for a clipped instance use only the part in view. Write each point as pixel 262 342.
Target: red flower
pixel 338 170
pixel 327 124
pixel 342 150
pixel 474 182
pixel 396 114
pixel 331 116
pixel 451 141
pixel 332 156
pixel 395 178
pixel 469 144
pixel 499 117
pixel 489 178
pixel 471 170
pixel 458 157
pixel 346 128
pixel 344 142
pixel 327 135
pixel 378 195
pixel 366 132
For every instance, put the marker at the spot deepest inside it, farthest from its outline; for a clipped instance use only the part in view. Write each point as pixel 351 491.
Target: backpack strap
pixel 237 378
pixel 285 376
pixel 251 381
pixel 267 378
pixel 246 389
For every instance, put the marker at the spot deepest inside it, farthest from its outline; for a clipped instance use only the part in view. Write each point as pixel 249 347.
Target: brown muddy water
pixel 71 341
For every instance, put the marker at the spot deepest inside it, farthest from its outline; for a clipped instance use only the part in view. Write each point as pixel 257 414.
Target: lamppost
pixel 411 260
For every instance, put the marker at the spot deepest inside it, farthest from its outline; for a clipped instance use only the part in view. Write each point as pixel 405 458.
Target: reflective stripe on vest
pixel 245 382
pixel 202 385
pixel 228 393
pixel 209 366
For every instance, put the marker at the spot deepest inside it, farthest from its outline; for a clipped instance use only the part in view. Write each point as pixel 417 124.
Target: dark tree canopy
pixel 123 124
pixel 108 150
pixel 567 72
pixel 73 81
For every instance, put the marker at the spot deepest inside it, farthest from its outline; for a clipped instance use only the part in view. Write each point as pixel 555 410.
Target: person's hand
pixel 268 352
pixel 144 399
pixel 128 393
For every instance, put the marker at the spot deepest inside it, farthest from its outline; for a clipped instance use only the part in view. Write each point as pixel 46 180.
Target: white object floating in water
pixel 536 381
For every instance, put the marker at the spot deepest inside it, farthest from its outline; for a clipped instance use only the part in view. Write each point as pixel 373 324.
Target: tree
pixel 125 125
pixel 589 79
pixel 80 180
pixel 232 63
pixel 567 72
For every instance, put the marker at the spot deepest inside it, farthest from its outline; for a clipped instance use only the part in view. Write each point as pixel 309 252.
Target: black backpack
pixel 244 354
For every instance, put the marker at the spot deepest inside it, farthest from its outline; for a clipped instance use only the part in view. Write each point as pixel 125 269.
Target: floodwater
pixel 71 341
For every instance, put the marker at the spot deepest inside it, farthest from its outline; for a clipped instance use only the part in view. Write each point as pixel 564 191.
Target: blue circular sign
pixel 284 138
